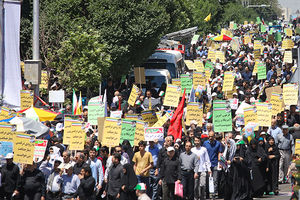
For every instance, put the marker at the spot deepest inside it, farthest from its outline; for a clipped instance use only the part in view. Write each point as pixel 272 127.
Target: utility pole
pixel 36 30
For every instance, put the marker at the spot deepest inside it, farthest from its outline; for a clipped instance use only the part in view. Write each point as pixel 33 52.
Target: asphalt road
pixel 284 193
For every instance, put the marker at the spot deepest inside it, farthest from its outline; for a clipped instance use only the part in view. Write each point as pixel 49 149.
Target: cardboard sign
pixel 250 115
pixel 211 55
pixel 139 75
pixel 290 94
pixel 176 81
pixel 297 146
pixel 287 44
pixel 128 131
pixel 228 81
pixel 288 32
pixel 139 132
pixel 186 83
pixel 190 64
pixel 247 39
pixel 288 57
pixel 199 65
pixel 133 95
pixel 4 113
pixel 220 55
pixel 26 99
pixel 270 90
pixel 222 120
pixel 154 133
pixel 150 117
pixel 198 79
pixel 261 71
pixel 112 132
pixel 162 120
pixel 173 94
pixel 5 148
pixel 77 136
pixel 44 80
pixel 101 121
pixel 116 114
pixel 277 103
pixel 264 114
pixel 68 127
pixel 39 150
pixel 56 96
pixel 95 110
pixel 24 148
pixel 6 133
pixel 194 112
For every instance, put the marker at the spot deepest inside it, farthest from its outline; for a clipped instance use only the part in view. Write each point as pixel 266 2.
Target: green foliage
pixel 81 61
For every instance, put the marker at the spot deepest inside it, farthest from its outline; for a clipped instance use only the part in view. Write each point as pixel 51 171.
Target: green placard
pixel 235 26
pixel 263 28
pixel 219 104
pixel 258 21
pixel 96 109
pixel 261 71
pixel 222 120
pixel 186 83
pixel 209 65
pixel 271 31
pixel 278 37
pixel 297 30
pixel 128 131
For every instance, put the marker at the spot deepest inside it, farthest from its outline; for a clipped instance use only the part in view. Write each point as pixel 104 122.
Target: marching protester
pixel 224 124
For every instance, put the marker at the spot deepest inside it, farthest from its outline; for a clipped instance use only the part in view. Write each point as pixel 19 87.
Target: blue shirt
pixel 213 150
pixel 69 183
pixel 154 151
pixel 97 170
pixel 270 74
pixel 274 132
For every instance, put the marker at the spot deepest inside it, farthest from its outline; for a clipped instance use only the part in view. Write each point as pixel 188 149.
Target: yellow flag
pixel 208 17
pixel 79 106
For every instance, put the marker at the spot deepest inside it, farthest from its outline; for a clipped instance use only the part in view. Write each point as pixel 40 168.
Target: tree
pixel 81 62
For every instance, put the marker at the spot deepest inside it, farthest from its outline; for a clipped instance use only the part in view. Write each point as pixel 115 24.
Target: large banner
pixel 12 70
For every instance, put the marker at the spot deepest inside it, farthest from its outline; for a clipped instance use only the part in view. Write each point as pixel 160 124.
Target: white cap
pixel 9 156
pixel 170 149
pixel 238 137
pixel 214 94
pixel 59 127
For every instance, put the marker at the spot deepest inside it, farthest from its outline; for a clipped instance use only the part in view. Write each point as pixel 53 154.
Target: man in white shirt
pixel 203 166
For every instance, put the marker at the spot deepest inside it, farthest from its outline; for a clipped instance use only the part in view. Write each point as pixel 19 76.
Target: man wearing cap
pixel 141 191
pixel 10 176
pixel 170 172
pixel 69 182
pixel 286 147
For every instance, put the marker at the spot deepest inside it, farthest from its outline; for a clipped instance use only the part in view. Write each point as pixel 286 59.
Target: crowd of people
pixel 208 164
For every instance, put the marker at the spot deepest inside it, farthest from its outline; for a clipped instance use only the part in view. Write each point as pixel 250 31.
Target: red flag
pixel 175 127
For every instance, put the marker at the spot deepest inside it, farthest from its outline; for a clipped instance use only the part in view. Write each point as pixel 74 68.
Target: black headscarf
pixel 127 148
pixel 258 151
pixel 129 178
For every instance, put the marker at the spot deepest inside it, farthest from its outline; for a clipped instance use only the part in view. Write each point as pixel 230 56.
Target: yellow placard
pixel 287 44
pixel 162 120
pixel 264 114
pixel 172 96
pixel 289 32
pixel 215 46
pixel 247 39
pixel 133 95
pixel 150 117
pixel 199 65
pixel 44 80
pixel 26 99
pixel 112 132
pixel 277 103
pixel 68 128
pixel 251 22
pixel 198 79
pixel 297 146
pixel 194 112
pixel 231 24
pixel 250 115
pixel 220 55
pixel 24 148
pixel 288 57
pixel 190 64
pixel 256 54
pixel 245 22
pixel 4 113
pixel 6 133
pixel 228 81
pixel 290 94
pixel 258 45
pixel 77 137
pixel 22 65
pixel 211 55
pixel 176 81
pixel 139 132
